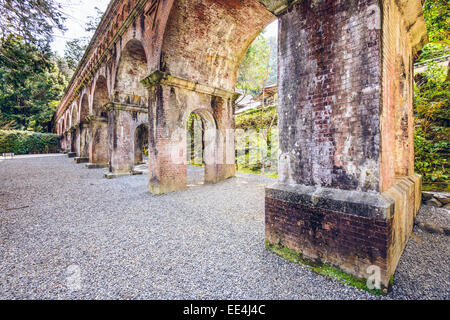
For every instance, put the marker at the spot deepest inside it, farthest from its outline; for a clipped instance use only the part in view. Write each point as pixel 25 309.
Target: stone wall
pixel 330 95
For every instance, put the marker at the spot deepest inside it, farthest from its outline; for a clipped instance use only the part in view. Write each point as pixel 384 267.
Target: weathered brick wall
pixel 100 96
pixel 99 148
pixel 397 119
pixel 170 109
pixel 122 126
pixel 349 242
pixel 347 194
pixel 131 69
pixel 329 66
pixel 85 140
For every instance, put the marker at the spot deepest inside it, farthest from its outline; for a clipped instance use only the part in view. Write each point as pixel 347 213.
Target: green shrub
pixel 432 130
pixel 28 142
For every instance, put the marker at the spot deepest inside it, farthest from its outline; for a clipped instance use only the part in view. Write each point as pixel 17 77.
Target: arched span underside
pixel 131 70
pixel 205 40
pixel 101 97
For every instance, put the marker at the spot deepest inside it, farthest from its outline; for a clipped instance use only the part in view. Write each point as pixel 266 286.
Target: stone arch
pixel 209 130
pixel 205 41
pixel 131 69
pixel 101 97
pixel 208 139
pixel 203 44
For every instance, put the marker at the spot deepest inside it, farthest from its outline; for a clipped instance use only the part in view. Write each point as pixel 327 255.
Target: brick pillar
pixel 85 138
pixel 172 100
pixel 74 139
pixel 121 137
pixel 98 148
pixel 167 140
pixel 223 165
pixel 330 202
pixel 64 142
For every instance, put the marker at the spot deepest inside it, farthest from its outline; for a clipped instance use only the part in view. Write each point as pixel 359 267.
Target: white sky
pixel 78 11
pixel 271 30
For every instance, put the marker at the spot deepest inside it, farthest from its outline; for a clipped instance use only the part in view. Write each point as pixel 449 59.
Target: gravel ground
pixel 434 219
pixel 206 242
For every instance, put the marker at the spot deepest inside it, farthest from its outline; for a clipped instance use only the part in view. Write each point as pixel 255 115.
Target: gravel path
pixel 59 220
pixel 433 219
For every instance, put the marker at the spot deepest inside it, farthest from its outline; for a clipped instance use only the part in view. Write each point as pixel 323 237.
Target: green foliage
pixel 432 159
pixel 432 133
pixel 437 19
pixel 195 139
pixel 30 85
pixel 432 101
pixel 433 50
pixel 31 20
pixel 255 147
pixel 27 142
pixel 251 118
pixel 253 71
pixel 74 51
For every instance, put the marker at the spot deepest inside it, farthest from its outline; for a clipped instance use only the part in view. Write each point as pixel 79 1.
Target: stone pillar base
pixel 219 172
pixel 96 165
pixel 168 177
pixel 113 175
pixel 155 187
pixel 349 230
pixel 81 160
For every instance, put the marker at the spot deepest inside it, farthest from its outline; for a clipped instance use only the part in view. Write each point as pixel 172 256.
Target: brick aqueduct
pixel 347 193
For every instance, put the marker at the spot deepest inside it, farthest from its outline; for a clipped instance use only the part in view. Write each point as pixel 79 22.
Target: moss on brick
pixel 323 268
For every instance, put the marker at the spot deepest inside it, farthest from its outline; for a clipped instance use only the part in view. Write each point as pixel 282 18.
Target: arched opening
pixel 202 47
pixel 195 144
pixel 256 109
pixel 141 145
pixel 132 69
pixel 201 147
pixel 101 97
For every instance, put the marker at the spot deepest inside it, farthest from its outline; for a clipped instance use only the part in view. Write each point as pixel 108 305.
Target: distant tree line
pixel 32 77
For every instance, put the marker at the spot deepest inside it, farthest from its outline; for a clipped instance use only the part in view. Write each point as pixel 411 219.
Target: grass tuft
pixel 323 268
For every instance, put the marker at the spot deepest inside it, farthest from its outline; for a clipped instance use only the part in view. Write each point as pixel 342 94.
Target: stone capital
pixel 93 118
pixel 111 106
pixel 158 77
